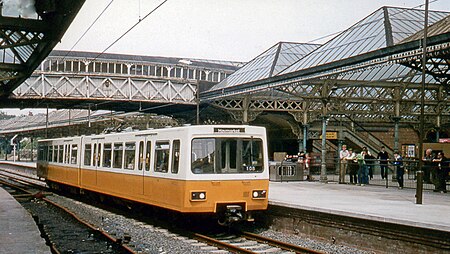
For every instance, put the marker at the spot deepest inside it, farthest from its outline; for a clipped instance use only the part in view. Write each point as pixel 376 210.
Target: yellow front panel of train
pixel 225 192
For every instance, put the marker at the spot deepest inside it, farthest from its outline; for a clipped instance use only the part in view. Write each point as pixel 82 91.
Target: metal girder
pixel 25 42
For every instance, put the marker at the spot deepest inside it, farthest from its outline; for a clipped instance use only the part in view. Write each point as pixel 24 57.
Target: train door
pixel 96 150
pixel 144 154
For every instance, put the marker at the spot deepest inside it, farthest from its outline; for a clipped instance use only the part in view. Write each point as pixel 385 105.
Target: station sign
pixel 444 140
pixel 330 135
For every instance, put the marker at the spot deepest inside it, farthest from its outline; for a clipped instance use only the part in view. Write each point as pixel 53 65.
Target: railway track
pixel 238 242
pixel 61 228
pixel 246 242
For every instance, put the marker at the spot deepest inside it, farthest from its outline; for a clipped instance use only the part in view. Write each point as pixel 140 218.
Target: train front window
pixel 227 155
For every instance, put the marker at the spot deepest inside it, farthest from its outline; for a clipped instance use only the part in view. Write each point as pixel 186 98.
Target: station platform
pixel 369 202
pixel 18 230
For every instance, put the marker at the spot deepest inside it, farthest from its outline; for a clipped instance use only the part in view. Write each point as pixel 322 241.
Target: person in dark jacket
pixel 442 165
pixel 398 163
pixel 383 156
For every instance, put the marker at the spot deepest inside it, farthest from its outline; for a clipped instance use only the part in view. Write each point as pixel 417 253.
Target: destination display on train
pixel 229 130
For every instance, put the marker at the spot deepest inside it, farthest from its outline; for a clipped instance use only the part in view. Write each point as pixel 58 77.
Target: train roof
pixel 222 129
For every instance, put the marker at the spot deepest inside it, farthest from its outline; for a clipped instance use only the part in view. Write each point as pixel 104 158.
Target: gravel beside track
pixel 146 238
pixel 313 244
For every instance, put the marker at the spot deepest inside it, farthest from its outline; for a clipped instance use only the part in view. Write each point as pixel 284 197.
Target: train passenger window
pixel 66 153
pixel 106 162
pixel 227 155
pixel 73 154
pixel 130 155
pixel 60 153
pixel 96 159
pixel 161 156
pixel 175 156
pixel 41 152
pixel 87 154
pixel 141 155
pixel 148 150
pixel 55 154
pixel 203 155
pixel 117 155
pixel 50 153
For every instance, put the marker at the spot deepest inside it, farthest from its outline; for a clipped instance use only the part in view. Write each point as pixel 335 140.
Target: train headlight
pixel 198 196
pixel 259 194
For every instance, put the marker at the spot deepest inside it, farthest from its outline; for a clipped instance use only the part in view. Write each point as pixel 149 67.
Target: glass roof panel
pixel 368 35
pixel 267 64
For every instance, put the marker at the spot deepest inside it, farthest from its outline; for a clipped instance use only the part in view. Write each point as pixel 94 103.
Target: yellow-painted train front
pixel 191 169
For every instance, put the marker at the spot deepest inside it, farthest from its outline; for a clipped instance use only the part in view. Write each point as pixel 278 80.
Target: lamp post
pixel 422 102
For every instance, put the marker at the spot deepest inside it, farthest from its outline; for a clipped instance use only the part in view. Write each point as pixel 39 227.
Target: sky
pixel 236 30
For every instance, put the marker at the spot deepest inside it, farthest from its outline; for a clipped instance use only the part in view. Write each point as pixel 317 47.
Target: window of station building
pixel 76 66
pixel 90 67
pixel 53 65
pixel 46 65
pixel 104 68
pixel 111 67
pixel 145 69
pixel 106 162
pixel 152 70
pixel 161 156
pixel 148 152
pixel 74 154
pixel 87 154
pixel 178 72
pixel 68 66
pixel 82 67
pixel 97 67
pixel 165 72
pixel 215 77
pixel 158 71
pixel 175 156
pixel 117 155
pixel 60 153
pixel 136 69
pixel 191 74
pixel 60 66
pixel 130 155
pixel 172 72
pixel 185 73
pixel 141 163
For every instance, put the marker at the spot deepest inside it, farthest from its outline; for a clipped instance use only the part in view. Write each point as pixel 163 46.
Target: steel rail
pixel 279 244
pixel 111 238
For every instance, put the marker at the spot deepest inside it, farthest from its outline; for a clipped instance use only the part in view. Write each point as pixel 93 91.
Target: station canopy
pixel 387 27
pixel 28 34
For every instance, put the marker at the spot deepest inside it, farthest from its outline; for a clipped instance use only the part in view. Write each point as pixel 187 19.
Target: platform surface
pixel 18 230
pixel 368 202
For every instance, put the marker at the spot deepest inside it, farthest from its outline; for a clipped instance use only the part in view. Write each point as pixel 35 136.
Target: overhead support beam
pixel 21 24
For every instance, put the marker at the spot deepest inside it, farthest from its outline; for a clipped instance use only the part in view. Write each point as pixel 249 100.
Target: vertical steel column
pixel 396 131
pixel 323 169
pixel 46 123
pixel 422 100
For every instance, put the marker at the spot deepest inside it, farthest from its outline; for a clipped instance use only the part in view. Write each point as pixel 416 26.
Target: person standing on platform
pixel 370 162
pixel 352 166
pixel 442 165
pixel 427 165
pixel 343 154
pixel 383 157
pixel 398 163
pixel 362 169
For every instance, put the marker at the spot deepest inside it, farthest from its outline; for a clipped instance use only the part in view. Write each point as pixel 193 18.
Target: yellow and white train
pixel 215 169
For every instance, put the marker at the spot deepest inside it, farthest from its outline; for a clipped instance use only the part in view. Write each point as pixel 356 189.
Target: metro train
pixel 219 170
